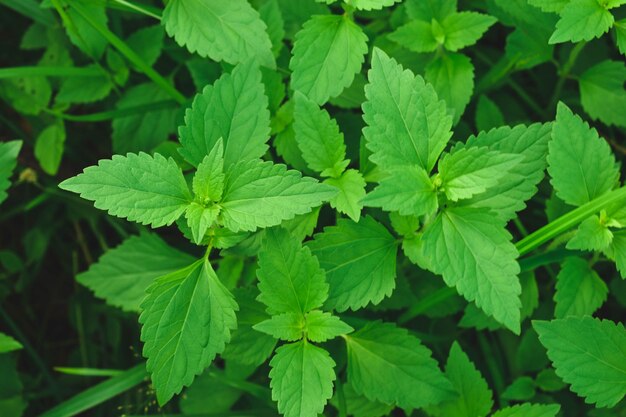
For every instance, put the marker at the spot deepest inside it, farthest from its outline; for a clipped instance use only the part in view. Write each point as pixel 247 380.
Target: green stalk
pixel 49 72
pixel 131 55
pixel 116 113
pixel 568 221
pixel 88 371
pixel 565 71
pixel 126 5
pixel 30 9
pixel 100 393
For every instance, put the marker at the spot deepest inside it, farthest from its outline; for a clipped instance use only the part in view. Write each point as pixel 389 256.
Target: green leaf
pixel 620 32
pixel 208 181
pixel 186 321
pixel 521 389
pixel 318 138
pixel 351 186
pixel 475 397
pixel 8 344
pixel 359 260
pixel 519 184
pixel 465 29
pixel 234 109
pixel 122 274
pixel 359 406
pixel 143 131
pixel 582 20
pixel 147 42
pixel 28 95
pixel 273 18
pixel 407 190
pixel 138 187
pixel 290 278
pixel 594 365
pixel 406 122
pixel 261 194
pixel 327 53
pixel 302 378
pixel 199 219
pixel 474 253
pixel 371 4
pixel 286 326
pixel 488 114
pixel 617 251
pixel 82 33
pixel 470 171
pixel 592 235
pixel 84 89
pixel 49 147
pixel 387 364
pixel 550 5
pixel 529 410
pixel 416 36
pixel 602 92
pixel 223 31
pixel 579 289
pixel 322 326
pixel 452 76
pixel 428 10
pixel 8 161
pixel 575 153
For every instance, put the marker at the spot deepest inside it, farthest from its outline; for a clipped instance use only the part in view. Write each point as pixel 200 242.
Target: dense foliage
pixel 301 208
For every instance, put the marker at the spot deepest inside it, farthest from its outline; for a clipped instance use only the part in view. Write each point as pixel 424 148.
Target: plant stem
pixel 50 72
pixel 131 55
pixel 116 113
pixel 141 10
pixel 564 73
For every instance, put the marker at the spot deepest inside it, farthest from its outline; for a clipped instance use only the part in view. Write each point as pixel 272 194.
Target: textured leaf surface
pixel 407 190
pixel 582 20
pixel 594 365
pixel 318 138
pixel 428 10
pixel 122 274
pixel 452 76
pixel 328 52
pixel 529 410
pixel 322 326
pixel 186 321
pixel 138 187
pixel 302 379
pixel 617 251
pixel 513 189
pixel 351 186
pixel 290 278
pixel 406 122
pixel 261 194
pixel 575 153
pixel 475 254
pixel 372 4
pixel 234 108
pixel 579 289
pixel 286 326
pixel 387 364
pixel 592 235
pixel 602 92
pixel 208 181
pixel 199 219
pixel 8 161
pixel 230 31
pixel 49 148
pixel 472 171
pixel 416 35
pixel 464 29
pixel 475 397
pixel 359 260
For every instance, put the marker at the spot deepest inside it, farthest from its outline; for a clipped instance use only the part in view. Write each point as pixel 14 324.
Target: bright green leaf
pixel 579 289
pixel 8 344
pixel 199 219
pixel 582 20
pixel 428 10
pixel 286 326
pixel 387 364
pixel 327 53
pixel 50 146
pixel 602 92
pixel 290 277
pixel 351 186
pixel 529 410
pixel 8 161
pixel 208 181
pixel 186 319
pixel 302 378
pixel 229 31
pixel 592 235
pixel 138 187
pixel 594 365
pixel 452 76
pixel 261 194
pixel 359 260
pixel 465 29
pixel 416 36
pixel 321 326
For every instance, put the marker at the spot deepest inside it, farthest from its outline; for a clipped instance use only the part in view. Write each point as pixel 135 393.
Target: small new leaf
pixel 302 378
pixel 322 326
pixel 208 181
pixel 139 187
pixel 186 321
pixel 594 365
pixel 592 235
pixel 351 186
pixel 582 20
pixel 465 29
pixel 199 219
pixel 286 326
